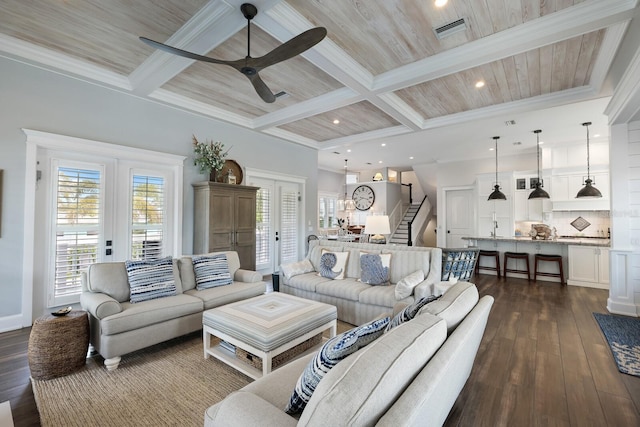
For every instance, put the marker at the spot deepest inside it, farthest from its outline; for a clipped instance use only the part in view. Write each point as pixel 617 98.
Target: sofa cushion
pixel 361 388
pixel 187 275
pixel 383 296
pixel 409 312
pixel 404 287
pixel 348 289
pixel 333 265
pixel 454 304
pixel 221 295
pixel 294 268
pixel 139 315
pixel 150 279
pixel 211 271
pixel 374 268
pixel 332 352
pixel 306 282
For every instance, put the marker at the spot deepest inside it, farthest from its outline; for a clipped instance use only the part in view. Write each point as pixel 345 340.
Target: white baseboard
pixel 11 323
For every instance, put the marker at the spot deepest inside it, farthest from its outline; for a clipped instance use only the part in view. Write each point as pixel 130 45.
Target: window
pixel 327 210
pixel 95 202
pixel 147 218
pixel 77 221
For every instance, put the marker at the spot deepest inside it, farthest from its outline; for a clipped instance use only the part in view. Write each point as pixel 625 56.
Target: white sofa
pixel 410 376
pixel 359 302
pixel 119 327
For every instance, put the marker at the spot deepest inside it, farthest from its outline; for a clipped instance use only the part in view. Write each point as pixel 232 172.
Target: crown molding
pixel 291 137
pixel 625 102
pixel 612 39
pixel 183 103
pixel 46 59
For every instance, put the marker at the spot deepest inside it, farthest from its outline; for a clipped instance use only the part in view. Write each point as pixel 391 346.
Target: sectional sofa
pixel 410 376
pixel 359 302
pixel 119 327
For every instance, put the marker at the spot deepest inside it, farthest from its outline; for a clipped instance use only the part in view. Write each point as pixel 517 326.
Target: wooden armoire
pixel 225 220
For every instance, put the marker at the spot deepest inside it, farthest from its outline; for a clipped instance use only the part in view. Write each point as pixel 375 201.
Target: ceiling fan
pixel 251 66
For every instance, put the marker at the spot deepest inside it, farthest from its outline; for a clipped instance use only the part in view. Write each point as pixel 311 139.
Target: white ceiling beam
pixel 567 23
pixel 292 137
pixel 208 28
pixel 608 49
pixel 323 103
pixel 332 144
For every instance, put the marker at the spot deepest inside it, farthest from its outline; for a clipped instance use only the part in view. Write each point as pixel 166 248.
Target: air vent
pixel 336 152
pixel 450 28
pixel 510 123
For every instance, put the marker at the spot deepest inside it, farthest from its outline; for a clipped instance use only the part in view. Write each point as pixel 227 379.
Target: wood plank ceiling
pixel 381 70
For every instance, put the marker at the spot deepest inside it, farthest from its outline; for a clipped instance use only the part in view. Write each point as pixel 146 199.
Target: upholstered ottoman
pixel 265 326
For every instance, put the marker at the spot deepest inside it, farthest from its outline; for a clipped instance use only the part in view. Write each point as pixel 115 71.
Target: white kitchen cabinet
pixel 525 209
pixel 565 187
pixel 489 211
pixel 589 266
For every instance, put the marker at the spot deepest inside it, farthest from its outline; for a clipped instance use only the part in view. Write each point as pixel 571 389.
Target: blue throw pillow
pixel 211 271
pixel 333 351
pixel 150 279
pixel 409 312
pixel 374 269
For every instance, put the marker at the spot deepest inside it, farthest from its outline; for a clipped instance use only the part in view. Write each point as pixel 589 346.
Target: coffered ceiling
pixel 381 71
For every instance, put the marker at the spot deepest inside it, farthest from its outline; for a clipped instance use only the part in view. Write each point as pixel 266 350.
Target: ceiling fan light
pixel 497 194
pixel 538 193
pixel 588 191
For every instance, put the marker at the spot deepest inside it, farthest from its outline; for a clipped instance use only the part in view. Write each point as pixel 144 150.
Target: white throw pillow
pixel 333 264
pixel 404 287
pixel 295 268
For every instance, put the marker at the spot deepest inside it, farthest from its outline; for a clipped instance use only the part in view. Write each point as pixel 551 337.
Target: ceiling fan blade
pixel 187 54
pixel 293 47
pixel 262 89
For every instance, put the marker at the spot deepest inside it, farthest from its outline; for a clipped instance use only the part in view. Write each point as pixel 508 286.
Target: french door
pixel 278 223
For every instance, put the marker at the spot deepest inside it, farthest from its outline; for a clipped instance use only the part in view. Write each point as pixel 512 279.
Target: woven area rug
pixel 170 384
pixel 623 335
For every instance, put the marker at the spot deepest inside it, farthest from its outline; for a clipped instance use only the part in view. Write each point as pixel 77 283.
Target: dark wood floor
pixel 543 361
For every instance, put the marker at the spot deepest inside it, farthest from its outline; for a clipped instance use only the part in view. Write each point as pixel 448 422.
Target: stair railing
pixel 410 185
pixel 410 223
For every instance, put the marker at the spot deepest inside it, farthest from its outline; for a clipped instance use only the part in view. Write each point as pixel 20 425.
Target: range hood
pixel 581 205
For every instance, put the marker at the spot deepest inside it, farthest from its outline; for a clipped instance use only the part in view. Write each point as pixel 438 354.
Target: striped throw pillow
pixel 150 279
pixel 409 312
pixel 211 271
pixel 332 352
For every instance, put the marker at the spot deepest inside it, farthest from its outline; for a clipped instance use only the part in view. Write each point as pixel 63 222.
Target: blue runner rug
pixel 623 336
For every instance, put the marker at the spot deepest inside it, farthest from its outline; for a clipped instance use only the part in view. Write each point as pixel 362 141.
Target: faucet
pixel 495 226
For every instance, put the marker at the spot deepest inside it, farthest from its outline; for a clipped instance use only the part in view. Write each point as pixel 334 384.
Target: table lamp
pixel 376 226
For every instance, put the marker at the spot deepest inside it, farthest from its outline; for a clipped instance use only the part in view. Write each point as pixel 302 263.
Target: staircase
pixel 401 235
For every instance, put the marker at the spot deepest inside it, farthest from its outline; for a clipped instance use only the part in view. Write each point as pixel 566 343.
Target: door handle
pixel 277 238
pixel 448 231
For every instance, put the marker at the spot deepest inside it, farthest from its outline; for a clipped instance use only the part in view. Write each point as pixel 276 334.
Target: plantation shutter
pixel 263 227
pixel 288 225
pixel 147 217
pixel 78 223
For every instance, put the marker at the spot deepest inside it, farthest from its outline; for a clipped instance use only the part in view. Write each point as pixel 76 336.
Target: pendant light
pixel 588 191
pixel 497 194
pixel 345 204
pixel 538 192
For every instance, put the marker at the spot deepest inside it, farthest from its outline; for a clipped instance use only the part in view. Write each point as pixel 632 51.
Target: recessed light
pixel 349 150
pixel 336 121
pixel 491 149
pixel 541 142
pixel 379 161
pixel 440 3
pixel 411 158
pixel 479 84
pixel 596 135
pixel 383 144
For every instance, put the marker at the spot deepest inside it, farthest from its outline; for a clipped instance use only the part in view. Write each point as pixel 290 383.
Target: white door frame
pixel 442 214
pixel 294 179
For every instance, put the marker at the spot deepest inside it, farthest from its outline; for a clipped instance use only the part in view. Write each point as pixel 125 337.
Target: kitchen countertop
pixel 582 241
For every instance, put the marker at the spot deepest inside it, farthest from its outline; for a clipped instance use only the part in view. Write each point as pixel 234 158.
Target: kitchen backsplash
pixel 599 221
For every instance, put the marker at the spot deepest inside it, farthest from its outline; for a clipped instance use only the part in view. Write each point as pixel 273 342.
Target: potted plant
pixel 209 157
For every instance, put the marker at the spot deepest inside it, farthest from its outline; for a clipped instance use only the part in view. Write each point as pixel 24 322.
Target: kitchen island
pixel 585 259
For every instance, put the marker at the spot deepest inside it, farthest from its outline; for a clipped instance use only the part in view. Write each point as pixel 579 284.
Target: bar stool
pixel 493 254
pixel 516 256
pixel 549 258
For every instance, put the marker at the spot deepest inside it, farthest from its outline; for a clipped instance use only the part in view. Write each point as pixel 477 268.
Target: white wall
pixel 36 99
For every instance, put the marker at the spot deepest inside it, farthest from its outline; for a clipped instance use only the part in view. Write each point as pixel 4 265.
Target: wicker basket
pixel 58 345
pixel 281 358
